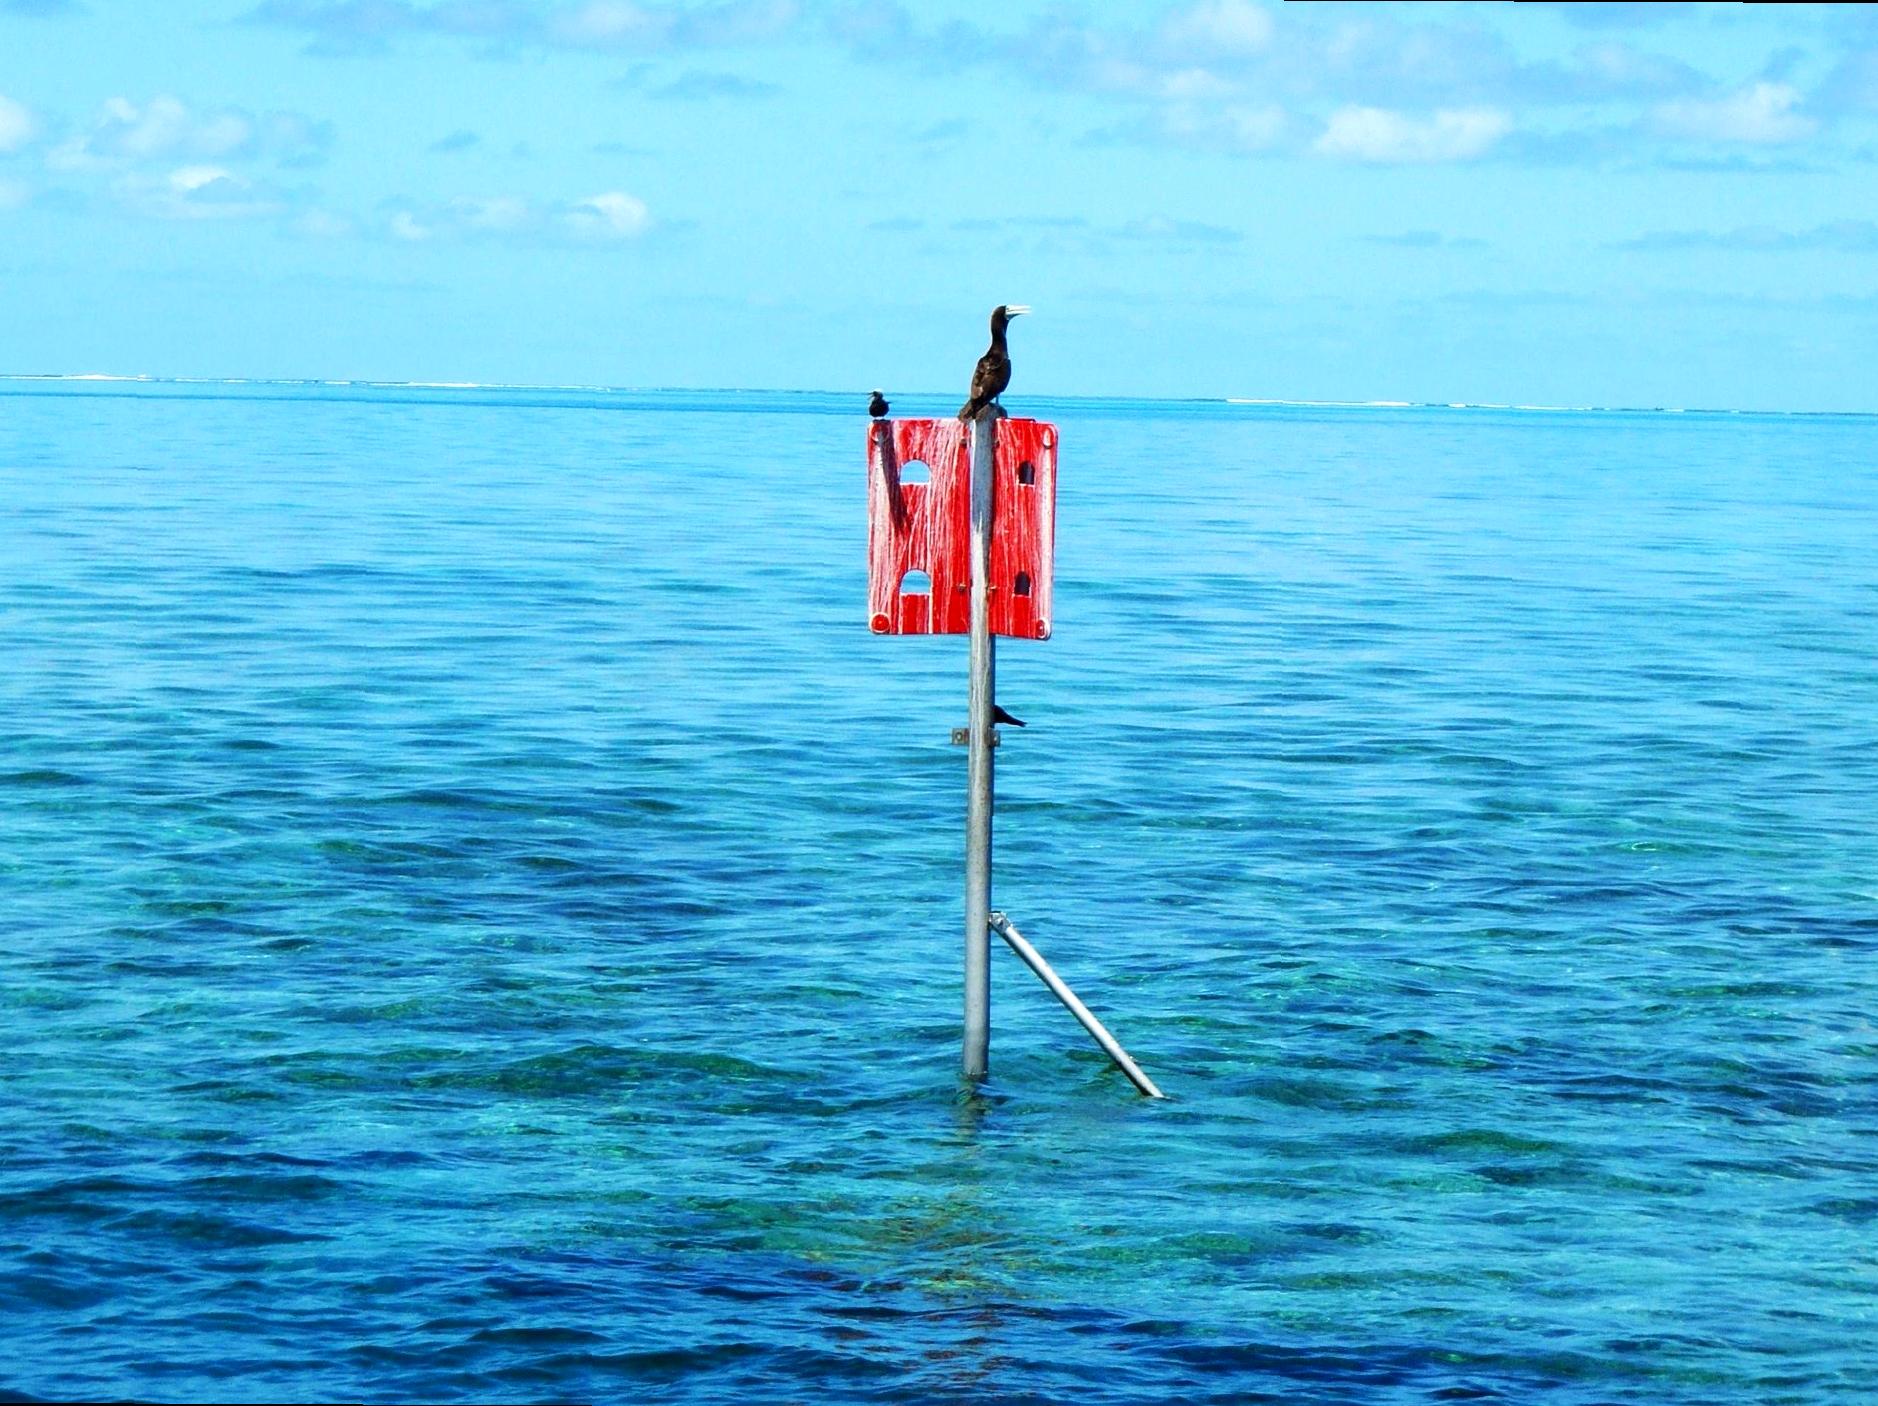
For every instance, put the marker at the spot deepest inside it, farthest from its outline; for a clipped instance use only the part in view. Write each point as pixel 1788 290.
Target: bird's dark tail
pixel 969 411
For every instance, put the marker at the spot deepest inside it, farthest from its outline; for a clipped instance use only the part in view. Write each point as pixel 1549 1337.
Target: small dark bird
pixel 994 367
pixel 998 715
pixel 878 407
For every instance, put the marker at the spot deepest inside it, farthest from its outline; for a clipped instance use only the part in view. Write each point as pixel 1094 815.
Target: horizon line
pixel 114 378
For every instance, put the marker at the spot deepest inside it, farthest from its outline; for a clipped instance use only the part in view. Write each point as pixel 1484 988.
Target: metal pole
pixel 977 1052
pixel 1110 1045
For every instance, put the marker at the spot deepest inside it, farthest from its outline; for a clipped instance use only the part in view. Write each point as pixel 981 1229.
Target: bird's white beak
pixel 1015 309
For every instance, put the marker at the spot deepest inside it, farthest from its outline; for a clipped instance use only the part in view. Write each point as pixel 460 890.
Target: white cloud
pixel 609 216
pixel 18 126
pixel 125 133
pixel 1396 83
pixel 185 180
pixel 1761 114
pixel 1160 227
pixel 698 86
pixel 1194 85
pixel 324 224
pixel 495 215
pixel 612 214
pixel 622 24
pixel 197 192
pixel 1233 127
pixel 352 26
pixel 1218 28
pixel 1379 135
pixel 1841 236
pixel 292 138
pixel 610 22
pixel 1612 70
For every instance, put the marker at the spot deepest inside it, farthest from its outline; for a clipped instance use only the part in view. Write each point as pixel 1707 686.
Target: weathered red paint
pixel 915 526
pixel 1023 536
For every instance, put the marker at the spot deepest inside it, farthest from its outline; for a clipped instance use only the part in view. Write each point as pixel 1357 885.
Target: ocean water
pixel 479 913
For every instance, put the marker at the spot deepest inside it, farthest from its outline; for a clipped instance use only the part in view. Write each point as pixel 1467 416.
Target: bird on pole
pixel 878 407
pixel 994 367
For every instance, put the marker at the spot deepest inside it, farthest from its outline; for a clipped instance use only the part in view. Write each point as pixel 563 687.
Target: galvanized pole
pixel 977 1053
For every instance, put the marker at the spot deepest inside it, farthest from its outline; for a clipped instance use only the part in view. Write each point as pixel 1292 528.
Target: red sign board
pixel 919 518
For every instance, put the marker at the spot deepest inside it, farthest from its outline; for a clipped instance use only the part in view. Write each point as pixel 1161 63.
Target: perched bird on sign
pixel 994 367
pixel 878 407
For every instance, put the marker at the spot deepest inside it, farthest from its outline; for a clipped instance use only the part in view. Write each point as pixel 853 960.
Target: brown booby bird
pixel 994 367
pixel 878 407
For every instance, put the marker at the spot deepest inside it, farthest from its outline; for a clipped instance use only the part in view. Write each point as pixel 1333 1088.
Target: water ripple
pixel 471 931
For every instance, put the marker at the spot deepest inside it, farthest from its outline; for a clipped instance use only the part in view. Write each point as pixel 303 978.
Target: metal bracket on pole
pixel 1033 959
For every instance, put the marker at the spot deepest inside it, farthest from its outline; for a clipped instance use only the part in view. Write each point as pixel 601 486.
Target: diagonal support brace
pixel 1033 959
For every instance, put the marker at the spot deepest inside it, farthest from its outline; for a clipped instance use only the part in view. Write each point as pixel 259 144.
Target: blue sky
pixel 1575 204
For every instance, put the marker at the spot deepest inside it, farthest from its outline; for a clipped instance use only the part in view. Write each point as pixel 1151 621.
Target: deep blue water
pixel 479 913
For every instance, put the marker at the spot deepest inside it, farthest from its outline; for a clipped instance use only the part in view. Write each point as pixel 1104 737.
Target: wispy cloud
pixel 1366 83
pixel 609 217
pixel 18 125
pixel 1852 85
pixel 612 26
pixel 699 86
pixel 624 24
pixel 1243 77
pixel 1607 14
pixel 1235 128
pixel 1197 78
pixel 1073 233
pixel 1213 28
pixel 1159 227
pixel 1610 71
pixel 1757 162
pixel 938 136
pixel 1842 236
pixel 125 133
pixel 324 224
pixel 1378 135
pixel 982 224
pixel 199 192
pixel 1760 114
pixel 167 159
pixel 1424 239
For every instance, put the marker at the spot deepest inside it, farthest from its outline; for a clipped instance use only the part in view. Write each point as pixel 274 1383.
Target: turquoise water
pixel 479 912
